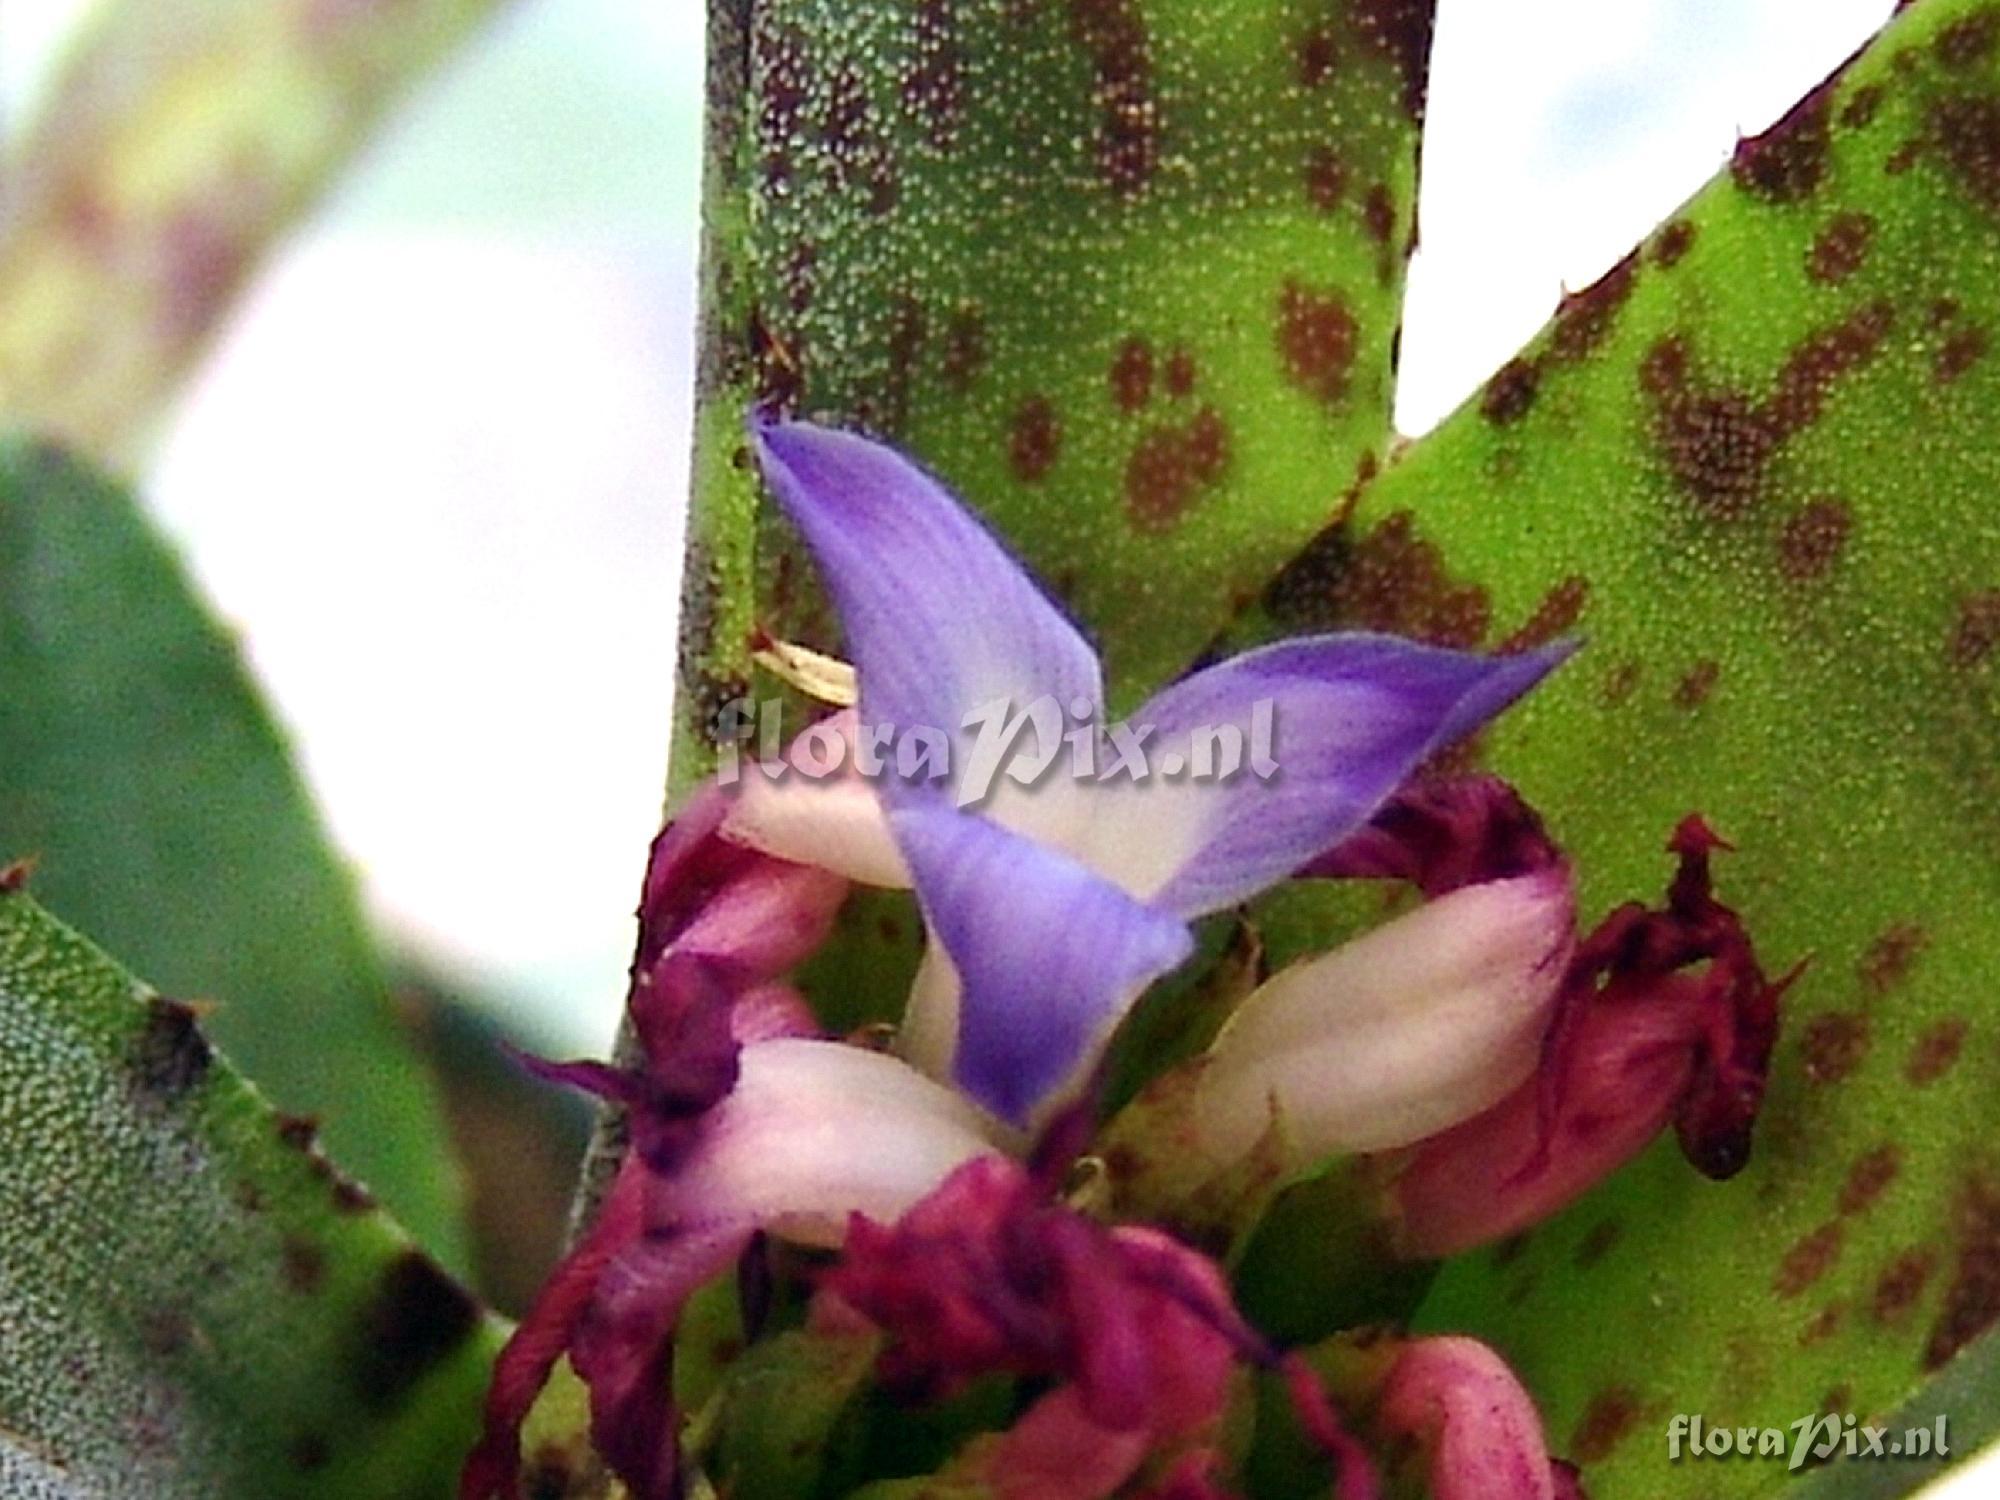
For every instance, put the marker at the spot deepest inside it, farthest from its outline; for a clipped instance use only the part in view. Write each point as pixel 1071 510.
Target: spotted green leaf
pixel 1754 467
pixel 193 1301
pixel 137 763
pixel 1127 272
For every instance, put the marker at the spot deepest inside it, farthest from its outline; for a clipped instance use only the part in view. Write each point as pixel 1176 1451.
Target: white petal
pixel 1407 1030
pixel 815 1131
pixel 927 1037
pixel 835 822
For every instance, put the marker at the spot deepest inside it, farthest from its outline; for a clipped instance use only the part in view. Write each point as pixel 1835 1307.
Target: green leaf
pixel 136 761
pixel 1126 272
pixel 1965 1395
pixel 181 138
pixel 1754 467
pixel 193 1302
pixel 787 1408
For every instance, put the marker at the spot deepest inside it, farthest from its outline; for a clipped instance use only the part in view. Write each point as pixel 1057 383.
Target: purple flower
pixel 1050 909
pixel 1052 906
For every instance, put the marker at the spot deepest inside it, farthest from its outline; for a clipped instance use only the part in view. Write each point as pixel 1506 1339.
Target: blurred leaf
pixel 1755 468
pixel 517 1142
pixel 1965 1394
pixel 181 139
pixel 784 1405
pixel 137 763
pixel 193 1302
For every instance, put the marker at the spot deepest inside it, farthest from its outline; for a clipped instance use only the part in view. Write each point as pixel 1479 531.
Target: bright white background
pixel 435 471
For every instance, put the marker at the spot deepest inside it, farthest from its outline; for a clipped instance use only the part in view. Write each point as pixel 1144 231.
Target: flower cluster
pixel 1492 1063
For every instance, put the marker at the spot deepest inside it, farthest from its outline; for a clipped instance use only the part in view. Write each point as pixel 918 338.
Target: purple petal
pixel 1351 717
pixel 623 1350
pixel 1048 955
pixel 940 618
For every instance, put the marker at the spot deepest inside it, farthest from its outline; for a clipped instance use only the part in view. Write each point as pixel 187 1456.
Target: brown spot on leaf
pixel 1968 130
pixel 302 1263
pixel 1787 162
pixel 1870 1177
pixel 1697 683
pixel 1584 319
pixel 1860 109
pixel 964 348
pixel 1811 540
pixel 1316 338
pixel 1718 445
pixel 16 874
pixel 1891 956
pixel 1034 438
pixel 1560 608
pixel 165 1331
pixel 1936 1052
pixel 1968 42
pixel 1180 374
pixel 1972 1301
pixel 935 87
pixel 417 1319
pixel 1610 1416
pixel 1325 178
pixel 1901 1284
pixel 1962 349
pixel 1810 1258
pixel 170 1057
pixel 1378 213
pixel 1132 374
pixel 1840 249
pixel 1127 142
pixel 1622 681
pixel 1318 52
pixel 1976 631
pixel 1399 30
pixel 301 1134
pixel 1170 467
pixel 1511 392
pixel 1394 580
pixel 1594 1245
pixel 1509 1250
pixel 1674 242
pixel 1824 1325
pixel 1833 1045
pixel 310 1452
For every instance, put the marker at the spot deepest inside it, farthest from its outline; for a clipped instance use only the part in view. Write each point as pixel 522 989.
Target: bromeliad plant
pixel 1504 1065
pixel 1118 1130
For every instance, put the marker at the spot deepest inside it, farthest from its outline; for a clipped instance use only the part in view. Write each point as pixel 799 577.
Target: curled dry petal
pixel 1665 1016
